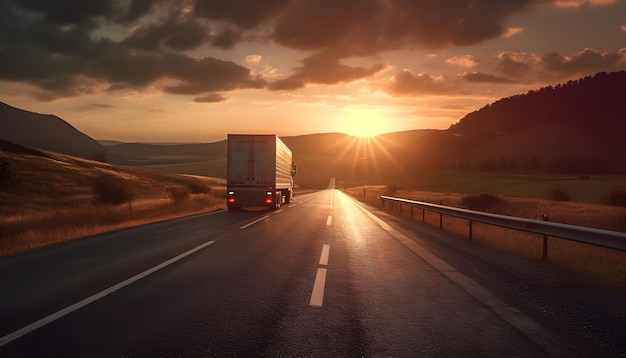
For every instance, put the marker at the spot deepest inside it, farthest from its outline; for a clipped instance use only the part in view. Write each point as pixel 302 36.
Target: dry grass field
pixel 608 266
pixel 49 198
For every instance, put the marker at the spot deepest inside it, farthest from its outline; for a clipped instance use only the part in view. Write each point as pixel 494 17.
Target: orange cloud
pixel 464 61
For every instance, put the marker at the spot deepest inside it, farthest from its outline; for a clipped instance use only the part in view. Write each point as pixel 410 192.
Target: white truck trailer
pixel 259 172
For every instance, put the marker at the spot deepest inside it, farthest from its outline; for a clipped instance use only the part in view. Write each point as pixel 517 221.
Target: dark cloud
pixel 477 77
pixel 137 9
pixel 95 107
pixel 59 54
pixel 341 29
pixel 173 34
pixel 512 64
pixel 369 26
pixel 58 47
pixel 586 61
pixel 324 68
pixel 244 14
pixel 207 75
pixel 210 98
pixel 69 11
pixel 406 83
pixel 555 66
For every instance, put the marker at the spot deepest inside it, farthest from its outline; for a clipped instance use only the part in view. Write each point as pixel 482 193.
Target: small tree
pixel 109 189
pixel 8 173
pixel 559 195
pixel 391 189
pixel 178 194
pixel 615 198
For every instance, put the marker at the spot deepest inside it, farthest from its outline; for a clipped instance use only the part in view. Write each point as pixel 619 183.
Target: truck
pixel 259 171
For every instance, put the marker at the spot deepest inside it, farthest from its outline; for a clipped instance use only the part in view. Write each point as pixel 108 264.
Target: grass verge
pixel 604 265
pixel 51 198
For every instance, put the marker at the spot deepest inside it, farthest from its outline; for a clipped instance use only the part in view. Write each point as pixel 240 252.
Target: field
pixel 604 265
pixel 585 189
pixel 52 198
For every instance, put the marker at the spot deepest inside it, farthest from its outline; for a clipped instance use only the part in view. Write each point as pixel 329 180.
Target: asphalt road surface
pixel 323 276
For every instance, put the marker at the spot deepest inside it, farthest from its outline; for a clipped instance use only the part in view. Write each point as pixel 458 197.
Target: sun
pixel 363 122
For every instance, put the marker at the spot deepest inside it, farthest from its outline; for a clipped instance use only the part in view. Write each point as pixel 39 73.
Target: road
pixel 323 276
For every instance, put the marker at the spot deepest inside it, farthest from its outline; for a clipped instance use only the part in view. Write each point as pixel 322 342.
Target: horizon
pixel 278 135
pixel 187 72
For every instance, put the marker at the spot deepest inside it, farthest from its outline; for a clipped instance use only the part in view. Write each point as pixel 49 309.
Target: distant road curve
pixel 323 276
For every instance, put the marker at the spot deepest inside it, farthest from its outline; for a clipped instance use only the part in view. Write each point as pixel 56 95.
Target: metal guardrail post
pixel 470 226
pixel 441 218
pixel 545 241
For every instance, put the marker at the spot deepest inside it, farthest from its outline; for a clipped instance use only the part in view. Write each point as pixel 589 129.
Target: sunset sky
pixel 193 71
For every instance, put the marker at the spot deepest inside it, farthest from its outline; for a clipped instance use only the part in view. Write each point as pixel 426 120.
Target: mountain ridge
pixel 576 128
pixel 48 132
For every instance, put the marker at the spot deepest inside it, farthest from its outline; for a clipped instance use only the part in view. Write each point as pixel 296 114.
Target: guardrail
pixel 597 237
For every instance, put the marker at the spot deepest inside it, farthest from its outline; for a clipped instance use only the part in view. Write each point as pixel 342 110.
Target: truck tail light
pixel 231 200
pixel 268 200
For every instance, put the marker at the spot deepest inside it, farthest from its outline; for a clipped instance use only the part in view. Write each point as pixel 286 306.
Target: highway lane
pixel 250 292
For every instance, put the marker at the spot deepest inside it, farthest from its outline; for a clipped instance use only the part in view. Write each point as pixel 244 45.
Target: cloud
pixel 361 27
pixel 512 31
pixel 95 107
pixel 585 61
pixel 579 3
pixel 557 65
pixel 477 77
pixel 406 83
pixel 210 98
pixel 324 68
pixel 253 59
pixel 464 61
pixel 514 64
pixel 74 47
pixel 245 14
pixel 554 65
pixel 172 34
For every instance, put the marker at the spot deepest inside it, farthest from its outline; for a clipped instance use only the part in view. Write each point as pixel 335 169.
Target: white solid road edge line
pixel 53 317
pixel 317 296
pixel 325 254
pixel 254 222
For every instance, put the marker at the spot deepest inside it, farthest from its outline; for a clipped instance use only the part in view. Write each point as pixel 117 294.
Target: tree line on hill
pixel 576 127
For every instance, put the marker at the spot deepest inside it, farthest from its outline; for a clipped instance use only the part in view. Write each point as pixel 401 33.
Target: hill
pixel 574 127
pixel 46 197
pixel 47 132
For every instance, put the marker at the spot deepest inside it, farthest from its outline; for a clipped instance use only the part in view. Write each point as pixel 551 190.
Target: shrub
pixel 8 173
pixel 480 202
pixel 109 189
pixel 178 194
pixel 615 198
pixel 198 188
pixel 391 189
pixel 559 195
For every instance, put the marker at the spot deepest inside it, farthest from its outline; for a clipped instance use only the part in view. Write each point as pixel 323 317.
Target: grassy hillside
pixel 47 197
pixel 603 265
